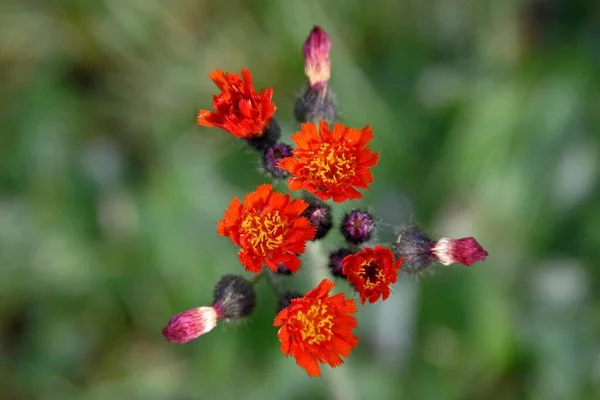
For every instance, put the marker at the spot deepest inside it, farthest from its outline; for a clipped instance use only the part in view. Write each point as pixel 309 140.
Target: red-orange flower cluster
pixel 268 228
pixel 239 110
pixel 331 164
pixel 371 271
pixel 317 328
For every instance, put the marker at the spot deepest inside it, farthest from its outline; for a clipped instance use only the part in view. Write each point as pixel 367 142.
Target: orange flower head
pixel 269 228
pixel 317 328
pixel 331 164
pixel 239 110
pixel 371 271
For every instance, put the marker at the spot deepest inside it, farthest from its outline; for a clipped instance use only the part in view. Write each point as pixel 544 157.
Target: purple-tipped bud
pixel 317 65
pixel 190 324
pixel 319 215
pixel 357 226
pixel 270 136
pixel 272 155
pixel 286 299
pixel 466 251
pixel 335 261
pixel 234 297
pixel 419 251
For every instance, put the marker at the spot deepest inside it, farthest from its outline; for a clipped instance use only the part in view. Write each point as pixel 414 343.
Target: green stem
pixel 256 278
pixel 275 283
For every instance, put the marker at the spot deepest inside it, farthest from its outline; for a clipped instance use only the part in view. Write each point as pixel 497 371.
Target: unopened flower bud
pixel 335 261
pixel 419 251
pixel 269 137
pixel 466 251
pixel 190 324
pixel 316 104
pixel 286 299
pixel 414 247
pixel 319 215
pixel 317 65
pixel 357 226
pixel 272 155
pixel 234 297
pixel 283 270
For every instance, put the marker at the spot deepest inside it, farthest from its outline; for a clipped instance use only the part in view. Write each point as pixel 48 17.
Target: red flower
pixel 317 328
pixel 331 165
pixel 269 229
pixel 239 110
pixel 371 271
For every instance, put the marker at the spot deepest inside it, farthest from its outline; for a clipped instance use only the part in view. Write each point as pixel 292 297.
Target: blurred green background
pixel 487 114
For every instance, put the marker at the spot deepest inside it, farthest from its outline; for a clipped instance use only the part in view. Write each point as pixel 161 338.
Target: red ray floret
pixel 371 272
pixel 239 109
pixel 317 328
pixel 331 164
pixel 268 228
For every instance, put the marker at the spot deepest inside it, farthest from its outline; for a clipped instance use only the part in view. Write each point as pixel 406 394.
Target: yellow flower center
pixel 371 274
pixel 264 232
pixel 332 165
pixel 317 324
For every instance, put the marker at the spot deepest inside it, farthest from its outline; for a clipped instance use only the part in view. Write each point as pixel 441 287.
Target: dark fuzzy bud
pixel 357 226
pixel 270 136
pixel 319 215
pixel 414 247
pixel 286 299
pixel 283 270
pixel 272 155
pixel 234 297
pixel 316 104
pixel 335 261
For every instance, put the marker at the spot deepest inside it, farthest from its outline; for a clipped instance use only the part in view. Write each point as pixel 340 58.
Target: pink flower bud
pixel 316 56
pixel 190 324
pixel 465 251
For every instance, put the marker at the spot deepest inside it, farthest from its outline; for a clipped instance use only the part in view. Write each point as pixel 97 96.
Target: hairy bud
pixel 316 104
pixel 269 137
pixel 414 246
pixel 234 297
pixel 319 215
pixel 272 155
pixel 283 270
pixel 419 251
pixel 357 226
pixel 335 261
pixel 286 299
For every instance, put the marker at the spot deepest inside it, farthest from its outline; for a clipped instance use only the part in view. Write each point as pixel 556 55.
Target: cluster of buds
pixel 328 163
